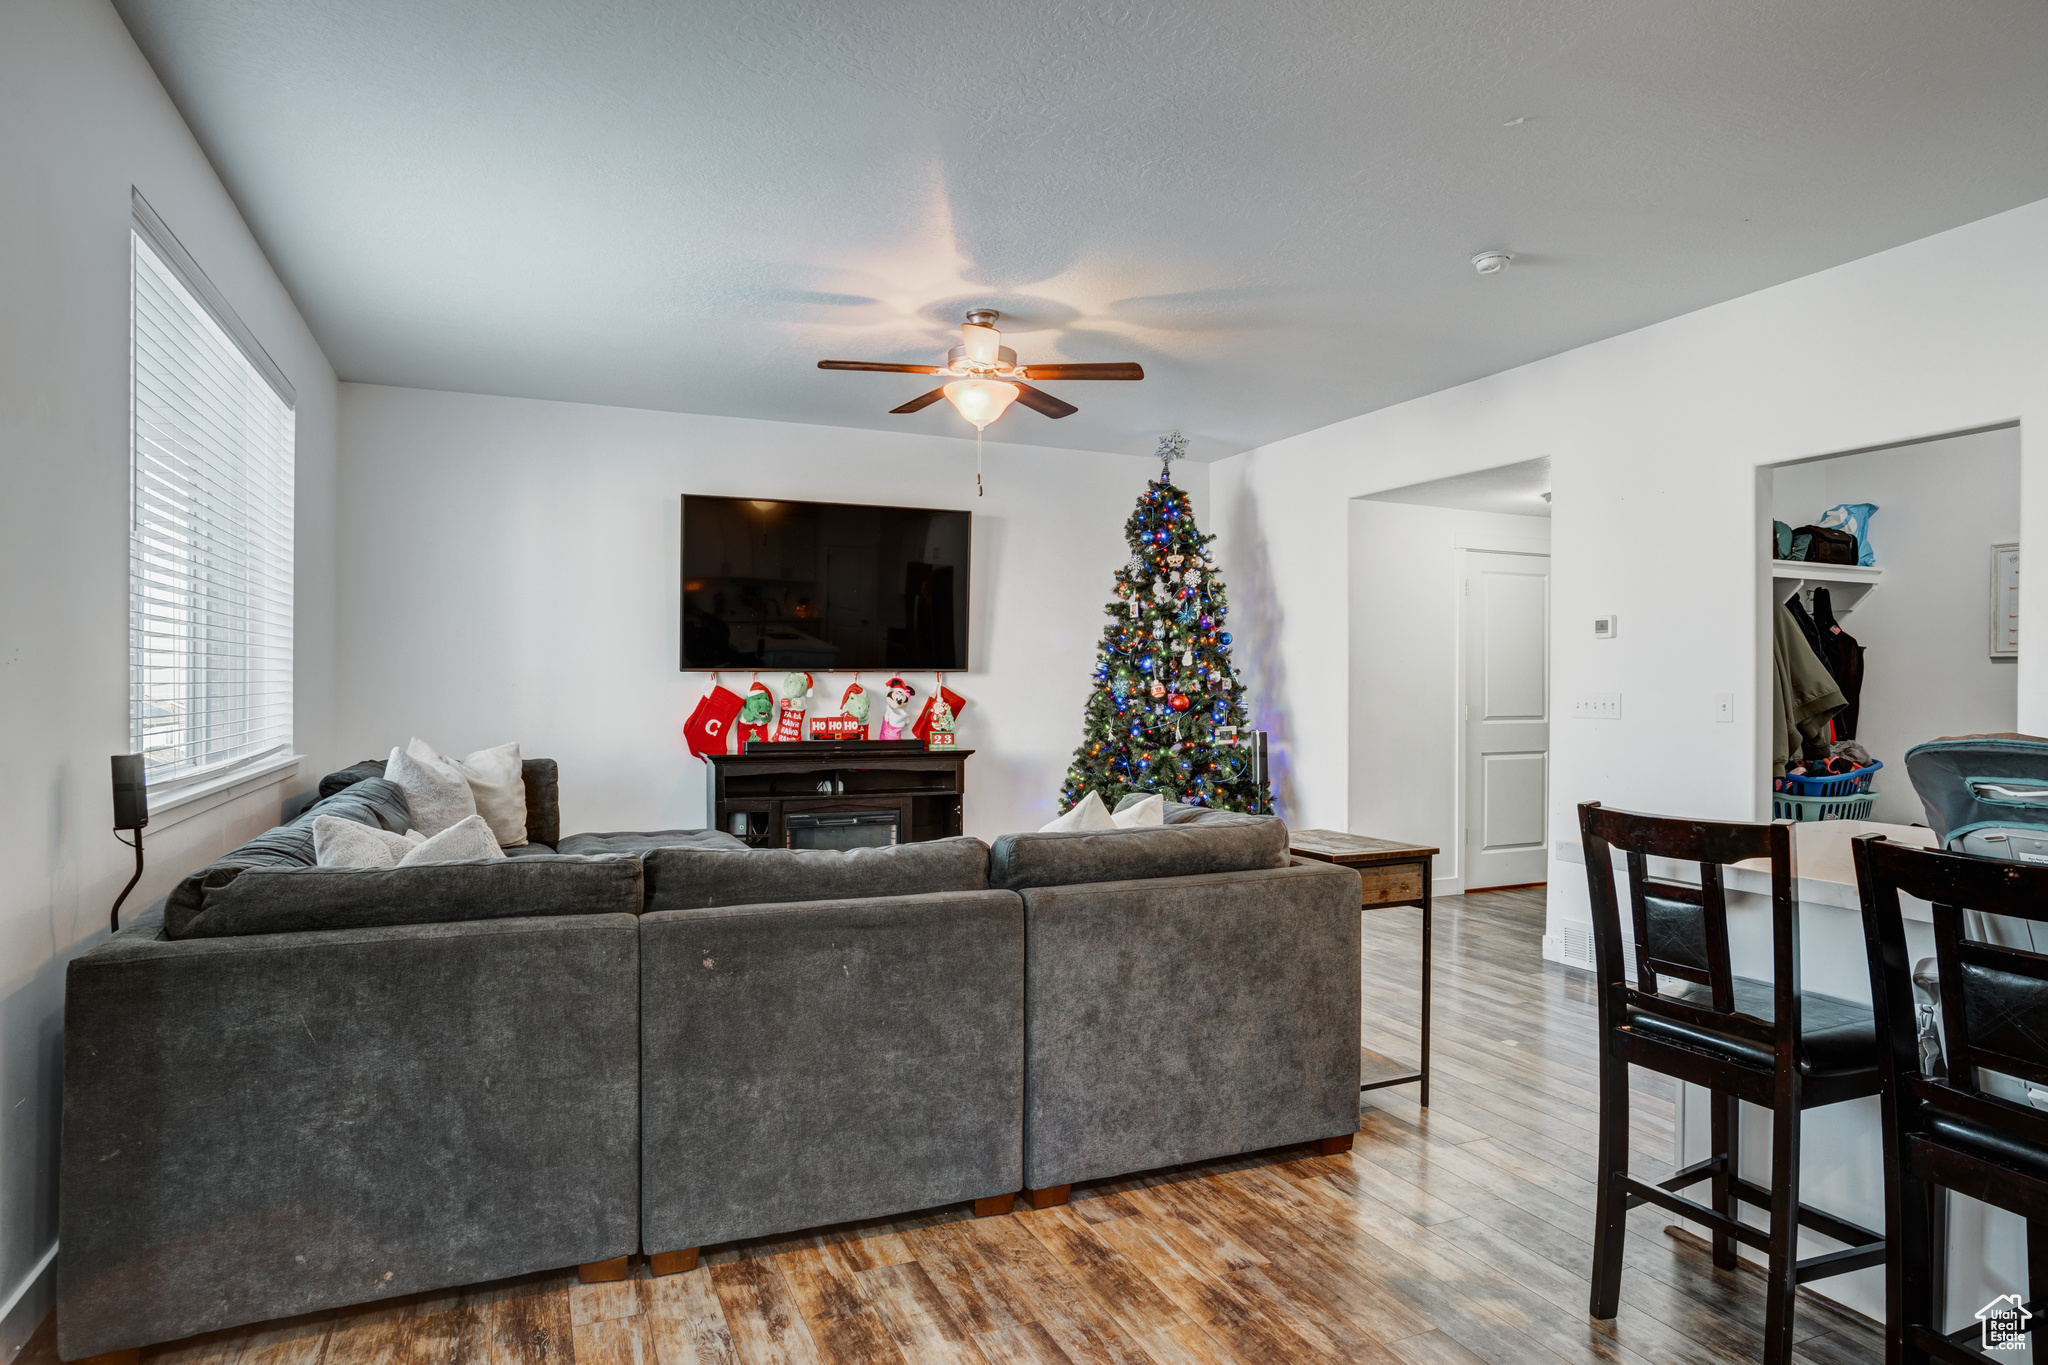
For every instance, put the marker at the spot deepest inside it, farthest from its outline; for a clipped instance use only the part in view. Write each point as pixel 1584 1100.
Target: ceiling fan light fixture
pixel 981 343
pixel 981 401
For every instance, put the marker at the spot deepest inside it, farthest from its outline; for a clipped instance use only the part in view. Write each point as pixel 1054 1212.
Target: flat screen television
pixel 823 586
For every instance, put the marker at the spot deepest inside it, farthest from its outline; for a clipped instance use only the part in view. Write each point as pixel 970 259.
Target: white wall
pixel 1404 683
pixel 512 573
pixel 1925 629
pixel 1655 439
pixel 82 119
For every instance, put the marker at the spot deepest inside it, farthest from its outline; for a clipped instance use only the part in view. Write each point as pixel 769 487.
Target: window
pixel 210 527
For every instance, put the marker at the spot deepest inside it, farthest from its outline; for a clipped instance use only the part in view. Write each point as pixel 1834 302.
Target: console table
pixel 770 781
pixel 1393 874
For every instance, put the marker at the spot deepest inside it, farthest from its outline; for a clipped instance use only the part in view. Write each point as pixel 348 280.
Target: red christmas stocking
pixel 709 728
pixel 923 728
pixel 755 714
pixel 789 712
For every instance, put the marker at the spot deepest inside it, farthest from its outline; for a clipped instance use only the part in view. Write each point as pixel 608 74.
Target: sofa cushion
pixel 692 878
pixel 632 841
pixel 341 842
pixel 543 793
pixel 373 801
pixel 344 778
pixel 467 840
pixel 285 900
pixel 439 794
pixel 530 849
pixel 1190 848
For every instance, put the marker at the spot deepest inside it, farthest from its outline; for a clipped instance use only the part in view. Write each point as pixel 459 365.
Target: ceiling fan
pixel 989 378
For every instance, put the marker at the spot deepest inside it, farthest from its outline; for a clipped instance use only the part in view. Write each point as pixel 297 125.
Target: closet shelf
pixel 1847 584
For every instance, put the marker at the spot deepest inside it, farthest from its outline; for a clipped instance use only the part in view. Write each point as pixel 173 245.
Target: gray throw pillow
pixel 692 878
pixel 1229 842
pixel 274 900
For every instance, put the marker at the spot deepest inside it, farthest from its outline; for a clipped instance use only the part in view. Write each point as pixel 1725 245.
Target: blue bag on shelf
pixel 1853 517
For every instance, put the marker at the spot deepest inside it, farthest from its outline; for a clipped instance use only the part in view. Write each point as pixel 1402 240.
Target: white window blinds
pixel 210 529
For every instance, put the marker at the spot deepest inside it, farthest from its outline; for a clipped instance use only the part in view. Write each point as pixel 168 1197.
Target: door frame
pixel 1461 569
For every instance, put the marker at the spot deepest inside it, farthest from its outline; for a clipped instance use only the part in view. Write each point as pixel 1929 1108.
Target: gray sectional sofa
pixel 290 1088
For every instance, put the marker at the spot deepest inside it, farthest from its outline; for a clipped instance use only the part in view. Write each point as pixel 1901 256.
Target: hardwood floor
pixel 1458 1235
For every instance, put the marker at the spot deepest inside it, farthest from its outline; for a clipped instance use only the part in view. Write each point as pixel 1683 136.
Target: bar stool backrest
pixel 1681 930
pixel 1994 1000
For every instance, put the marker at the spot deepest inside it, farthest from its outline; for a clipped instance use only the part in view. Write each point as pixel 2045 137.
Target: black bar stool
pixel 1948 1134
pixel 1766 1042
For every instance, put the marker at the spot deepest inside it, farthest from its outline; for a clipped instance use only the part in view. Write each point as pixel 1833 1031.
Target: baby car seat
pixel 1985 795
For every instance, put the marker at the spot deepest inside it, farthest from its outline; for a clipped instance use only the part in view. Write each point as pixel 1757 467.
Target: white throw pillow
pixel 1150 811
pixel 462 842
pixel 500 791
pixel 338 842
pixel 435 789
pixel 1087 813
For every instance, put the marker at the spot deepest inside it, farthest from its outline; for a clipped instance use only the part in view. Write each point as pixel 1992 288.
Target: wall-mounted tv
pixel 823 585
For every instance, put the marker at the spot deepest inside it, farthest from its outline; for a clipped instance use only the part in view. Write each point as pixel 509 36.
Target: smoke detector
pixel 1492 262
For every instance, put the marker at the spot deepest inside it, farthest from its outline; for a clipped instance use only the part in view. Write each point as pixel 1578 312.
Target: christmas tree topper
pixel 1172 446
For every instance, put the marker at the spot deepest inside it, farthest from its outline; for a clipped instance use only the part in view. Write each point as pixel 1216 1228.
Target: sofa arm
pixel 261 1126
pixel 1184 1018
pixel 826 1061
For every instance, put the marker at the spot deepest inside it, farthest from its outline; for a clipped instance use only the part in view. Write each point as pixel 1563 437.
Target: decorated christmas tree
pixel 1167 710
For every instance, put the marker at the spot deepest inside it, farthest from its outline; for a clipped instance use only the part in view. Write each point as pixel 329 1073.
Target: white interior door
pixel 1506 717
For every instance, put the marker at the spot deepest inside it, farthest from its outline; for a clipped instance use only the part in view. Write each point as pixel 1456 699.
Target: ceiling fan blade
pixel 873 365
pixel 1122 369
pixel 1038 400
pixel 922 401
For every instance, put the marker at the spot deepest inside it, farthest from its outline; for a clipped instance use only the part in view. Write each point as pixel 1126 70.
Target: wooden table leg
pixel 1428 944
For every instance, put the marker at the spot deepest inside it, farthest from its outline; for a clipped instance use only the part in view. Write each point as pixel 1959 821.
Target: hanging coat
pixel 1803 694
pixel 1806 625
pixel 1844 658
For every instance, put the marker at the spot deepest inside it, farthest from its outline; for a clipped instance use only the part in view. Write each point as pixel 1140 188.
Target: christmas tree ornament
pixel 709 729
pixel 896 714
pixel 1169 679
pixel 755 712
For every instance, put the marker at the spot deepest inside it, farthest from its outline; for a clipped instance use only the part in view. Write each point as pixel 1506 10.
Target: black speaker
pixel 131 799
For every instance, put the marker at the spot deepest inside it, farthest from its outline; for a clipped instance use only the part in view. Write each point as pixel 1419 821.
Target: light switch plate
pixel 1606 627
pixel 1596 706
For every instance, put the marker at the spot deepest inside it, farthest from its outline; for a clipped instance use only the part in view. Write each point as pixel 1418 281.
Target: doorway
pixel 1414 770
pixel 1504 659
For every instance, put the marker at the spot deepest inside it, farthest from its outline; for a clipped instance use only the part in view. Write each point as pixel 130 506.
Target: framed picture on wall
pixel 2005 601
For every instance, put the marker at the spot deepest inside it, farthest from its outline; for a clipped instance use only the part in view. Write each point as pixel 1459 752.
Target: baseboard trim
pixel 28 1305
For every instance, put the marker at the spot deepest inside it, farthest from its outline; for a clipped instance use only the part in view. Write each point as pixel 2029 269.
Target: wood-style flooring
pixel 1446 1237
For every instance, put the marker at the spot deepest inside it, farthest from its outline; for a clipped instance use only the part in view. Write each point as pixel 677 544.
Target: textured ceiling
pixel 1270 205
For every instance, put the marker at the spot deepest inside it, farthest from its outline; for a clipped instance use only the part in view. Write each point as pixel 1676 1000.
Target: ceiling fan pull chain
pixel 977 462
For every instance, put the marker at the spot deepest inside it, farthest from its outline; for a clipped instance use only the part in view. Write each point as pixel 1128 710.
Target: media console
pixel 752 794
